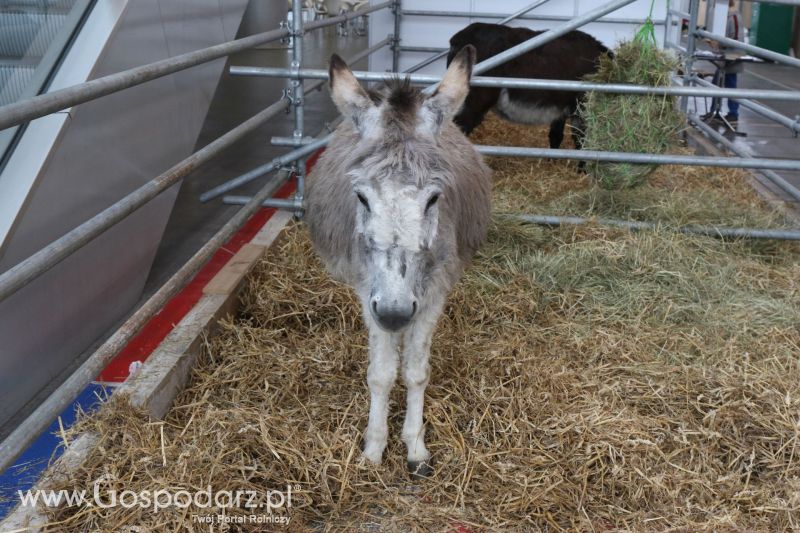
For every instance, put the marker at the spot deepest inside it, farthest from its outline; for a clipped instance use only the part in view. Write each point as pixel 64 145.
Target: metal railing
pixel 22 274
pixel 531 83
pixel 28 270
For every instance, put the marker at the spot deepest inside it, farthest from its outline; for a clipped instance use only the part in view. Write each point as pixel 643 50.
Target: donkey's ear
pixel 446 102
pixel 350 98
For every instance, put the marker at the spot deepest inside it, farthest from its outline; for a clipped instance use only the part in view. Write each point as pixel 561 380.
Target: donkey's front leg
pixel 416 371
pixel 381 375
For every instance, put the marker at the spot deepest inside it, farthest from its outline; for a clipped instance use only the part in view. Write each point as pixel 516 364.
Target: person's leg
pixel 733 105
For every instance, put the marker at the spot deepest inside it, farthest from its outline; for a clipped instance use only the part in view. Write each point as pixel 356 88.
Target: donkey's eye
pixel 363 200
pixel 431 201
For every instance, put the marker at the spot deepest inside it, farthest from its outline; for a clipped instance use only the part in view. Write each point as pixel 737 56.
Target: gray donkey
pixel 397 206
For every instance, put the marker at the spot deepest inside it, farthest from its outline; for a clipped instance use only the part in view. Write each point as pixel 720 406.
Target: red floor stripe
pixel 151 335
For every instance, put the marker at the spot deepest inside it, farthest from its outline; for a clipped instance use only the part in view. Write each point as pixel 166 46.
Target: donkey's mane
pixel 398 91
pixel 402 101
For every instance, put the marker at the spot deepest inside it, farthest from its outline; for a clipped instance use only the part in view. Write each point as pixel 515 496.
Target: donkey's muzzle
pixel 392 316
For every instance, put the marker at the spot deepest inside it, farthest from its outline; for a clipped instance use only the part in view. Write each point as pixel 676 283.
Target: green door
pixel 772 27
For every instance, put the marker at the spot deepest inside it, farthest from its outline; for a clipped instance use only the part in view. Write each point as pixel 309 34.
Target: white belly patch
pixel 527 113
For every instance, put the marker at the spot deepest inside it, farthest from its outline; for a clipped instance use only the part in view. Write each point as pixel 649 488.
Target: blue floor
pixel 30 465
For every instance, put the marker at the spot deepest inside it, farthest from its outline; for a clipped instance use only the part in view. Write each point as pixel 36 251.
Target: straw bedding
pixel 583 380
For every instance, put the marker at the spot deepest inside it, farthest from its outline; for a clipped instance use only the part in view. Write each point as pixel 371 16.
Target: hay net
pixel 630 123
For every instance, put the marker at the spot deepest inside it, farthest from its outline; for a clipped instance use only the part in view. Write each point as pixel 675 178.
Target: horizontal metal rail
pixel 44 104
pixel 777 180
pixel 527 83
pixel 264 169
pixel 428 49
pixel 679 13
pixel 645 159
pixel 23 273
pixel 755 50
pixel 582 155
pixel 278 203
pixel 708 231
pixel 60 399
pixel 290 141
pixel 792 123
pixel 349 15
pixel 553 18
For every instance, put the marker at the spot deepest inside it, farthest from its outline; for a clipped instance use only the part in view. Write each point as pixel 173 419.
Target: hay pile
pixel 583 379
pixel 626 122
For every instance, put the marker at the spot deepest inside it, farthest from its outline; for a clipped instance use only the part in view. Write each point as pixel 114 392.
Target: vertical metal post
pixel 694 8
pixel 296 84
pixel 396 9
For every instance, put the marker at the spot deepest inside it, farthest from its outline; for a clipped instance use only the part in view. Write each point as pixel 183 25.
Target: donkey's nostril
pixel 413 308
pixel 375 305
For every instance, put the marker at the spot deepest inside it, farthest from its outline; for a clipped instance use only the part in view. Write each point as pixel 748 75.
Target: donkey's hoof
pixel 373 452
pixel 420 469
pixel 372 456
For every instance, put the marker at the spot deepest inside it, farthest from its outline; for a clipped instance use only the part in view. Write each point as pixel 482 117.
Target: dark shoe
pixel 732 118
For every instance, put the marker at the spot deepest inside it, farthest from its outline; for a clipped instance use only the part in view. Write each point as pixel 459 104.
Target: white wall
pixel 436 31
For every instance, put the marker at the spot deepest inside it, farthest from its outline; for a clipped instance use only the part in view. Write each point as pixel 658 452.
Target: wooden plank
pixel 272 229
pixel 167 370
pixel 229 277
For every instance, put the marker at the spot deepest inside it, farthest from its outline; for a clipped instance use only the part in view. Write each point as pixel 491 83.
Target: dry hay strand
pixel 628 122
pixel 582 380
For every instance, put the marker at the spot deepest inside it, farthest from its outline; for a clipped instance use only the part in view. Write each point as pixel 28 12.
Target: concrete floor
pixel 192 223
pixel 765 138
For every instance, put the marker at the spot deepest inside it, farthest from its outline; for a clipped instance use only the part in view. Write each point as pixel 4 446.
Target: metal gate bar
pixel 531 83
pixel 707 231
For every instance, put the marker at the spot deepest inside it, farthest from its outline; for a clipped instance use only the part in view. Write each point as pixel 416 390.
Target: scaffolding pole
pixel 298 93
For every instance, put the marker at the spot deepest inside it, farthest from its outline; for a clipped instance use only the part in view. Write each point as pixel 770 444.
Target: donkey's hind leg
pixel 578 127
pixel 416 371
pixel 556 134
pixel 381 376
